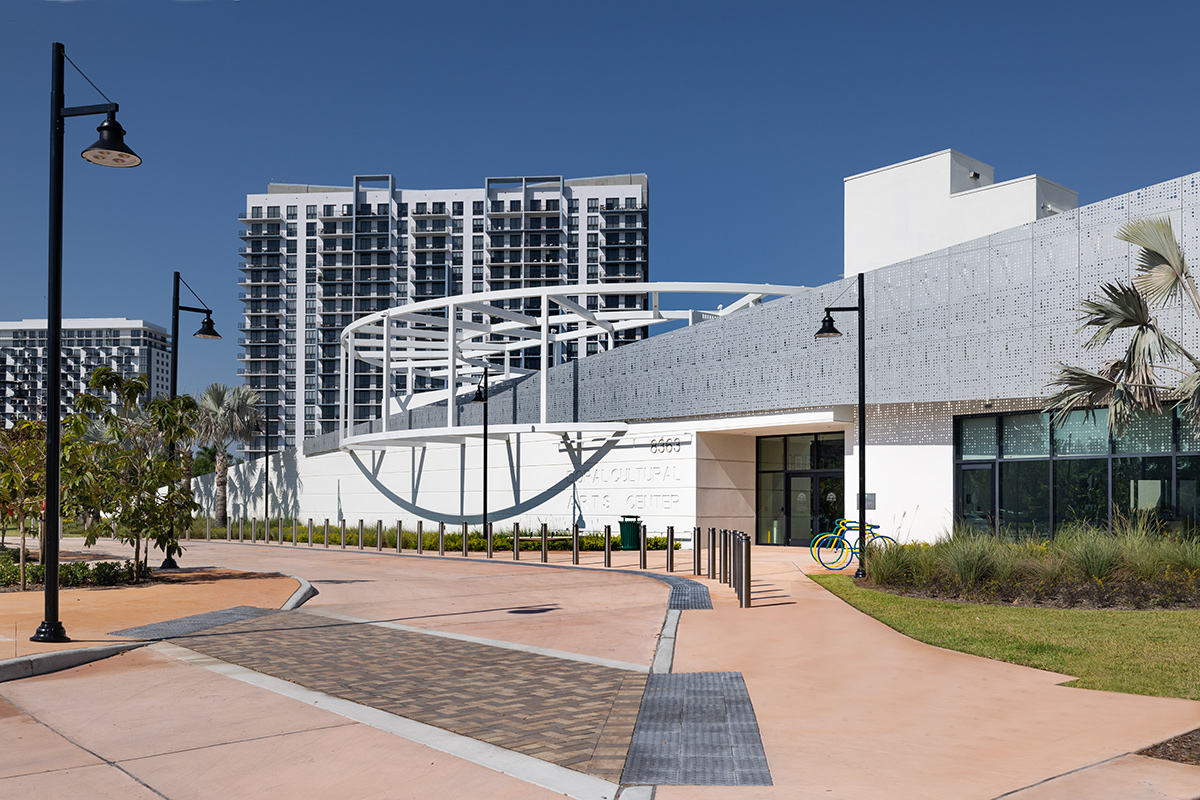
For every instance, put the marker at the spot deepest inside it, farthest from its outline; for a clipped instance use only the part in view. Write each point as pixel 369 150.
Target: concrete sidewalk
pixel 846 707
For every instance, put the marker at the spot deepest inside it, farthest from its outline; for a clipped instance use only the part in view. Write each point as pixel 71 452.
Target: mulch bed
pixel 1073 597
pixel 1184 748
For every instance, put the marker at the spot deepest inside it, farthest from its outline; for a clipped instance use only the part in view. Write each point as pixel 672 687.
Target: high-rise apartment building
pixel 131 347
pixel 319 257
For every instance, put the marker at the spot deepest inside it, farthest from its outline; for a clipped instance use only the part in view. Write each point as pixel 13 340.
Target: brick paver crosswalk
pixel 570 713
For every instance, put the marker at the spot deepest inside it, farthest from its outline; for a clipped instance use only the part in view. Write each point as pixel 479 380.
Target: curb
pixel 302 595
pixel 43 663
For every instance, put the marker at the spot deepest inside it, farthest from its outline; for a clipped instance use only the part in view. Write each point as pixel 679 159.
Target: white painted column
pixel 342 408
pixel 387 371
pixel 452 359
pixel 545 355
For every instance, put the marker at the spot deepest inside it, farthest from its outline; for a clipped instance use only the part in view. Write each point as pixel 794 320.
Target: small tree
pixel 1131 384
pixel 128 468
pixel 227 415
pixel 23 476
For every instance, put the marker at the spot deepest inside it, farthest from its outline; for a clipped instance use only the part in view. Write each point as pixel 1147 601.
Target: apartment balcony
pixel 429 213
pixel 337 212
pixel 624 226
pixel 245 234
pixel 371 212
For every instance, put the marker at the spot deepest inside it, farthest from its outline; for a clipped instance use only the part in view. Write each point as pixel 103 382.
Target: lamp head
pixel 207 331
pixel 479 395
pixel 110 149
pixel 827 330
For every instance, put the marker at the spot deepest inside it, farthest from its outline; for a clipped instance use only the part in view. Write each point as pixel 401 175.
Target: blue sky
pixel 746 116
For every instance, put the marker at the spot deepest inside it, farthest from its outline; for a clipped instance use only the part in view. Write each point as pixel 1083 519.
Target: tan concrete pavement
pixel 847 708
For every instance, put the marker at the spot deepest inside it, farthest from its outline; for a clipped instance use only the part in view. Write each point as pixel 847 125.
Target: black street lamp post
pixel 828 332
pixel 207 331
pixel 110 151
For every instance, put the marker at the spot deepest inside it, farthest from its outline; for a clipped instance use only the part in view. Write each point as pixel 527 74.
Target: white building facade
pixel 131 347
pixel 744 420
pixel 317 258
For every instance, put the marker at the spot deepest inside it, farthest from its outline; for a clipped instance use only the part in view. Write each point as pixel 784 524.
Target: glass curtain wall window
pixel 1016 474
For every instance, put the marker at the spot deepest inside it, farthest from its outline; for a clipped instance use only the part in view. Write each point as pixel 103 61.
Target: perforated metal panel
pixel 985 320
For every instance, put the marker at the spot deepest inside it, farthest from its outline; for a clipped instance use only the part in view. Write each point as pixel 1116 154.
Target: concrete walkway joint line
pixel 462 637
pixel 565 781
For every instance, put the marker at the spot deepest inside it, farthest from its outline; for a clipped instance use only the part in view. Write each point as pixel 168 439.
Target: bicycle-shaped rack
pixel 836 550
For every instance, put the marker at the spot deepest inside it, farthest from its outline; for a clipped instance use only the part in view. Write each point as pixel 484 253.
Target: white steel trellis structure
pixel 454 339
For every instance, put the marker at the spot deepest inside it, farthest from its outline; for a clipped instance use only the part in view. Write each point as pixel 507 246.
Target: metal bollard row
pixel 739 566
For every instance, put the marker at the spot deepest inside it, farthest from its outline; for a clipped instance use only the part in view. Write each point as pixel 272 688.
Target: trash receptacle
pixel 631 532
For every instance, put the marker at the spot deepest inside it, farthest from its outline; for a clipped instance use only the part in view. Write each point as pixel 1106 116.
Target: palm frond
pixel 1163 272
pixel 1083 390
pixel 1122 307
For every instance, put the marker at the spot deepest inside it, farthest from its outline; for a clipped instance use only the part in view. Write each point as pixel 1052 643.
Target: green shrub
pixel 970 560
pixel 1089 553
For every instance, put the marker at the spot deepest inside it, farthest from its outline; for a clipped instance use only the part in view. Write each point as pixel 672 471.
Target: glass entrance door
pixel 831 503
pixel 802 509
pixel 815 503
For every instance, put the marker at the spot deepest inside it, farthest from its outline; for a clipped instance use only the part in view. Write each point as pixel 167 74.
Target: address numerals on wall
pixel 665 445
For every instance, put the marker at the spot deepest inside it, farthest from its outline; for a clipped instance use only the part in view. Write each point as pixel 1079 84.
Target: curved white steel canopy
pixel 440 340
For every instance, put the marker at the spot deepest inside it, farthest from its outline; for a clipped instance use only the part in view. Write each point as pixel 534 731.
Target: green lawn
pixel 1152 652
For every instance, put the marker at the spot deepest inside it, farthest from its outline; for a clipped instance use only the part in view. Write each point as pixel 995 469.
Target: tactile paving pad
pixel 685 593
pixel 696 729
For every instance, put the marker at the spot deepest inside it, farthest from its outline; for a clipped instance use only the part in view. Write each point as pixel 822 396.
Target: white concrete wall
pixel 932 202
pixel 667 474
pixel 648 472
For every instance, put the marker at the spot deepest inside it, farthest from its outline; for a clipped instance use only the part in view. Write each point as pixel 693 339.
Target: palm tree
pixel 1132 384
pixel 227 415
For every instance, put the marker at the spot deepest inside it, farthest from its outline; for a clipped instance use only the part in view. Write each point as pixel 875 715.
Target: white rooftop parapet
pixel 915 207
pixel 439 339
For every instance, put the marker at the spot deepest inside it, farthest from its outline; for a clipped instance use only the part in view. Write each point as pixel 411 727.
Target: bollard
pixel 241 530
pixel 293 531
pixel 420 537
pixel 516 541
pixel 342 537
pixel 489 540
pixel 465 551
pixel 608 545
pixel 696 552
pixel 187 532
pixel 745 571
pixel 712 553
pixel 722 540
pixel 544 548
pixel 266 530
pixel 207 528
pixel 360 534
pixel 441 538
pixel 325 533
pixel 575 543
pixel 378 536
pixel 642 549
pixel 399 537
pixel 670 548
pixel 727 558
pixel 733 545
pixel 253 531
